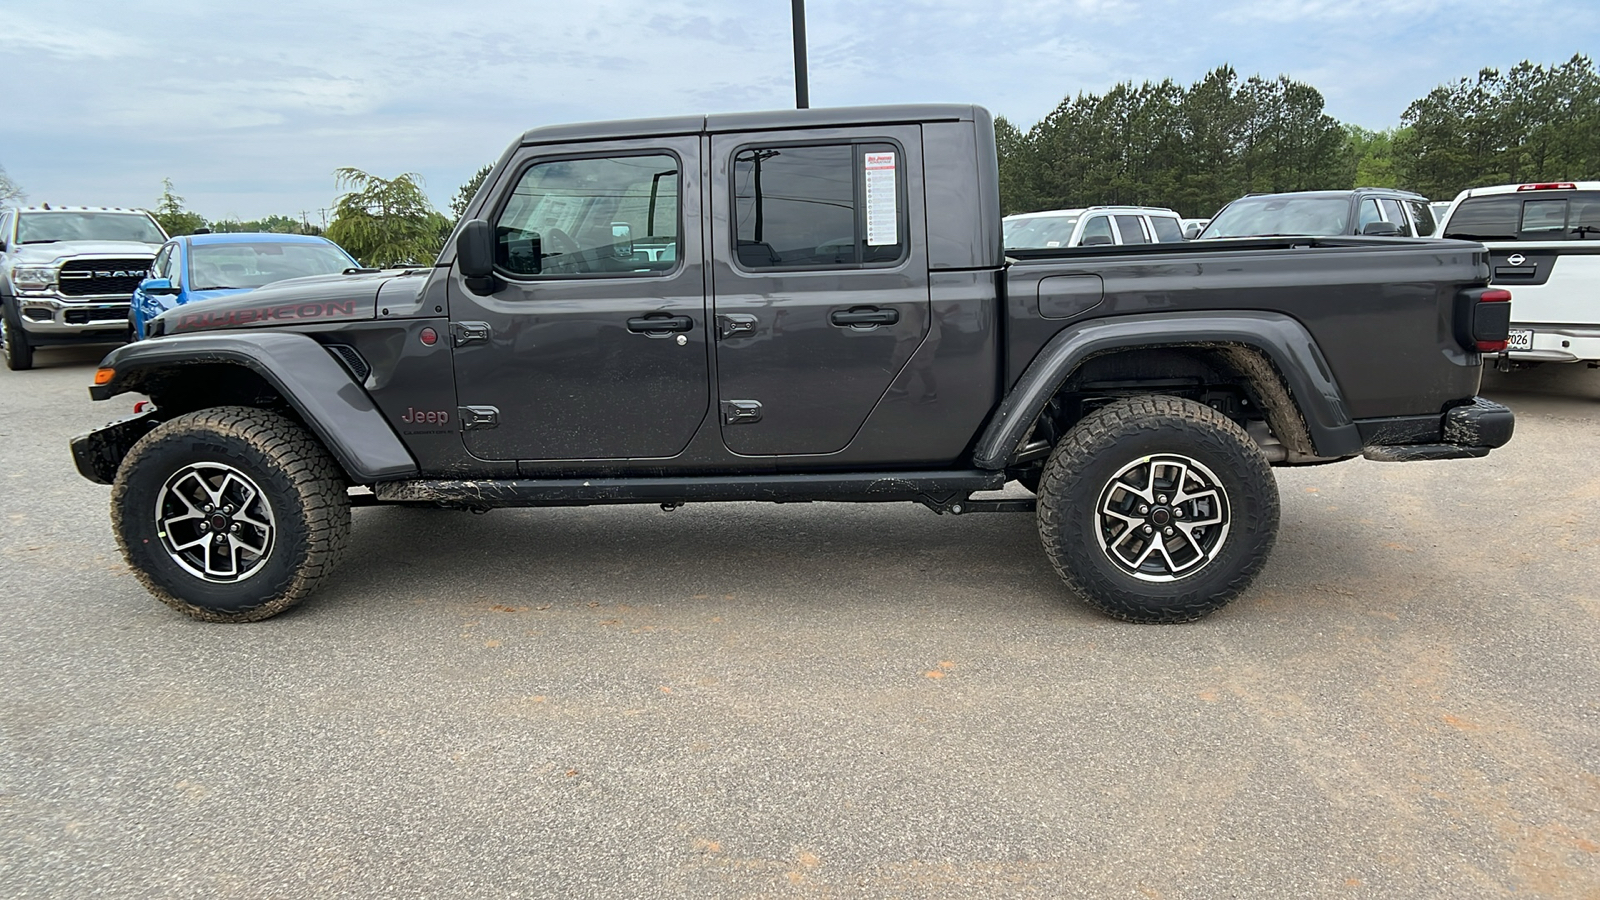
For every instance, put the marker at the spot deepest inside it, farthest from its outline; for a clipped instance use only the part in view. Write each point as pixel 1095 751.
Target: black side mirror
pixel 475 256
pixel 1381 229
pixel 1098 240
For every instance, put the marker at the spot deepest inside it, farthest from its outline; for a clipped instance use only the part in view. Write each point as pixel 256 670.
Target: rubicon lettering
pixel 290 312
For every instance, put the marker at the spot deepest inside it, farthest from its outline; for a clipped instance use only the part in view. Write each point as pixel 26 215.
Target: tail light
pixel 1548 186
pixel 1491 320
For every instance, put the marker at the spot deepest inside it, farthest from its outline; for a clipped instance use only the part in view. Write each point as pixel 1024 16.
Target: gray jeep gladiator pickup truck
pixel 67 275
pixel 791 306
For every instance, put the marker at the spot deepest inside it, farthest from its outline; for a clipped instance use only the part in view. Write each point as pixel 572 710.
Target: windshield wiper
pixel 41 241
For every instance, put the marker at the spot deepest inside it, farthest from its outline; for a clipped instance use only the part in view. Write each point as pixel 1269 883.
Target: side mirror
pixel 1097 240
pixel 156 287
pixel 475 256
pixel 1381 229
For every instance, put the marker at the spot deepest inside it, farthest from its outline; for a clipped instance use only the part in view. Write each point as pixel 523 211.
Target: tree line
pixel 1190 148
pixel 1195 148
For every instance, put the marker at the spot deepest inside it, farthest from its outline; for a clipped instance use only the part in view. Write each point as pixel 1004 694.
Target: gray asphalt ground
pixel 816 701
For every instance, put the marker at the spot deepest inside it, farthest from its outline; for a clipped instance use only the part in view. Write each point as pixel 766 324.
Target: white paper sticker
pixel 883 213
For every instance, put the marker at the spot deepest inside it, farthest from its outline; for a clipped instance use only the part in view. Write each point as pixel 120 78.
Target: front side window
pixel 615 216
pixel 835 206
pixel 1369 215
pixel 161 267
pixel 1097 231
pixel 1393 213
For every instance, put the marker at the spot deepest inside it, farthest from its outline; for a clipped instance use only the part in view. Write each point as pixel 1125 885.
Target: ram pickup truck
pixel 792 306
pixel 67 275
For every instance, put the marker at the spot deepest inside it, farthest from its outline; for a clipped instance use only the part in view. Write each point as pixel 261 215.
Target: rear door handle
pixel 864 317
pixel 659 325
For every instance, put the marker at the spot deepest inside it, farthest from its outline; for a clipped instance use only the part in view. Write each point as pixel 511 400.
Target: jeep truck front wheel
pixel 230 514
pixel 14 341
pixel 1157 509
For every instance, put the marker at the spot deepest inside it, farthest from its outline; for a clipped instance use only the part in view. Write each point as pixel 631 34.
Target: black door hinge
pixel 476 417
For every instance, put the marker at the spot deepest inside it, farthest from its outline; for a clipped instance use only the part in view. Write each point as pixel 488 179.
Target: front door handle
pixel 864 317
pixel 659 325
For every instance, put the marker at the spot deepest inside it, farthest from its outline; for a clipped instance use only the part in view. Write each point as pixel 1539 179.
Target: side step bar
pixel 940 491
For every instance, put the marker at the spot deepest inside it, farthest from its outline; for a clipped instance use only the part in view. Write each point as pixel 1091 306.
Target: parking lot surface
pixel 822 700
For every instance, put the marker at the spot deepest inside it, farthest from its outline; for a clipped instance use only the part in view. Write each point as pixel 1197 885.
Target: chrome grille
pixel 93 277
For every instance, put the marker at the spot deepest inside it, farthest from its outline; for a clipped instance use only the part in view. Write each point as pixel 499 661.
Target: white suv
pixel 1092 226
pixel 1544 247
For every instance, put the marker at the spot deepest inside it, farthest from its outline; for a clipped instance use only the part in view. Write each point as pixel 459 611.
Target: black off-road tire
pixel 18 351
pixel 307 509
pixel 1090 517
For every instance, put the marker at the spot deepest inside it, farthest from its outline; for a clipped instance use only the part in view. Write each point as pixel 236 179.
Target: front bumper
pixel 97 317
pixel 1468 431
pixel 99 453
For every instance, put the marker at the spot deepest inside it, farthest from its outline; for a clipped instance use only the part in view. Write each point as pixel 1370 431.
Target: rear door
pixel 819 281
pixel 595 345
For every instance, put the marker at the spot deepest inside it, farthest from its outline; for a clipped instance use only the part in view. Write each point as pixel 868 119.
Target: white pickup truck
pixel 1544 246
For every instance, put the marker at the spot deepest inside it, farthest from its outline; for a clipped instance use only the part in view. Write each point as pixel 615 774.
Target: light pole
pixel 802 91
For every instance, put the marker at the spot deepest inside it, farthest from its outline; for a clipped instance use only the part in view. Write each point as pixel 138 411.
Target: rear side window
pixel 1492 218
pixel 1167 230
pixel 1423 215
pixel 1131 229
pixel 828 206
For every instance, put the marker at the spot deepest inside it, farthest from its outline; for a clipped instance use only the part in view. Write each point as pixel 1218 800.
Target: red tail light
pixel 1496 323
pixel 1548 186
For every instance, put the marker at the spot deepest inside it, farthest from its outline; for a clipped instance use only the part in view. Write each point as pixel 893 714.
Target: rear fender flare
pixel 319 389
pixel 1283 340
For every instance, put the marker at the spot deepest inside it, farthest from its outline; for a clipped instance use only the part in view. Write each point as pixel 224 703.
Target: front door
pixel 594 345
pixel 820 281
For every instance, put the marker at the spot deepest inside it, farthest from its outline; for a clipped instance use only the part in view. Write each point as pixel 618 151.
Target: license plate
pixel 1520 339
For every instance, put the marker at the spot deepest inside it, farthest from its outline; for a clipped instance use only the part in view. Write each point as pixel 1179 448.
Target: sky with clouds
pixel 249 107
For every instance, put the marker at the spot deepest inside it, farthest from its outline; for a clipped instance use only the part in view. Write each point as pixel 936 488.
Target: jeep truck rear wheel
pixel 1157 509
pixel 230 514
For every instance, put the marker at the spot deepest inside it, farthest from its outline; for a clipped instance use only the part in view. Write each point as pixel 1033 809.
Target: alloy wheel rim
pixel 1162 517
pixel 215 522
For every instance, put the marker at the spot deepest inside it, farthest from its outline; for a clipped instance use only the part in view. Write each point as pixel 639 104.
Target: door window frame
pixel 527 165
pixel 859 197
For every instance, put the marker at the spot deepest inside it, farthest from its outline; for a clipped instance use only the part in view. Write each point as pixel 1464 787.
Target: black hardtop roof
pixel 835 117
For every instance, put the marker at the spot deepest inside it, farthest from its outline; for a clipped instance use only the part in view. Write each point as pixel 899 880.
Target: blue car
pixel 201 266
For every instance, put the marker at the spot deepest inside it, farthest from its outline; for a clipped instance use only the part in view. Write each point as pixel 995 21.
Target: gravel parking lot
pixel 817 701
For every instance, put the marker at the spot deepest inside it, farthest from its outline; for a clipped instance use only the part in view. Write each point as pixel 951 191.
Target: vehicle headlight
pixel 33 278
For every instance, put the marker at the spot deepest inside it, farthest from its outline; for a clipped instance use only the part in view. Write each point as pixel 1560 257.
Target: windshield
pixel 1280 214
pixel 250 265
pixel 49 227
pixel 1039 232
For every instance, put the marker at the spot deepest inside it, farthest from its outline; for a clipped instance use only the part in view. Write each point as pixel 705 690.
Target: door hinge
pixel 733 325
pixel 476 417
pixel 464 333
pixel 741 412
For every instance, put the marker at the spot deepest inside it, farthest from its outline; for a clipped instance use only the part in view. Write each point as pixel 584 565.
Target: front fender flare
pixel 319 389
pixel 1285 342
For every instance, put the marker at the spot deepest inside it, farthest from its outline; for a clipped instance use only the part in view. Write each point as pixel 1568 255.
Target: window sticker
pixel 883 213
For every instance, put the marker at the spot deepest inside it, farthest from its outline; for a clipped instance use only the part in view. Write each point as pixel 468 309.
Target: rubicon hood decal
pixel 318 298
